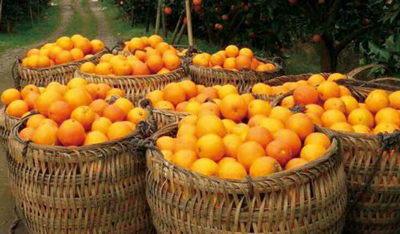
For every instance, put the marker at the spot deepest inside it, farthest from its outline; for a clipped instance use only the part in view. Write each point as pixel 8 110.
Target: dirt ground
pixel 7 216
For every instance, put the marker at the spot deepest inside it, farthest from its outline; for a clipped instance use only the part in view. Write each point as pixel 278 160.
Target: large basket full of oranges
pixel 232 66
pixel 74 165
pixel 213 175
pixel 56 61
pixel 152 67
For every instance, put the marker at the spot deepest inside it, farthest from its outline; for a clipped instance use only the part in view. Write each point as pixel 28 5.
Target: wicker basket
pixel 373 179
pixel 42 77
pixel 6 124
pixel 310 199
pixel 85 190
pixel 136 87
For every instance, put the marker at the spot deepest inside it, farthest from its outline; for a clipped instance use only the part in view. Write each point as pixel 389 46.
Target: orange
pixel 229 64
pixel 43 61
pixel 332 116
pixel 115 92
pixel 84 115
pixel 342 127
pixel 272 125
pixel 164 105
pixel 211 146
pixel 243 62
pixel 32 61
pixel 229 124
pixel 155 63
pixel 344 91
pixel 122 68
pixel 387 115
pixel 65 43
pixel 350 103
pixel 106 58
pixel 217 60
pixel 45 100
pixel 209 92
pixel 163 71
pixel 136 115
pixel 76 37
pixel 258 107
pixel 118 130
pixel 49 122
pixel 210 107
pixel 394 100
pixel 192 108
pixel 189 87
pixel 136 44
pixel 114 113
pixel 232 170
pixel 84 45
pixel 335 104
pixel 385 127
pixel 315 79
pixel 130 124
pixel 155 96
pixel 31 100
pixel 63 57
pixel 35 120
pixel 254 64
pixel 59 111
pixel 191 119
pixel 186 129
pixel 336 76
pixel 312 151
pixel 54 51
pixel 225 160
pixel 210 124
pixel 32 52
pixel 280 150
pixel 261 88
pixel 154 40
pixel 27 133
pixel 376 101
pixel 10 95
pixel 184 158
pixel 232 143
pixel 101 124
pixel 232 51
pixel 280 113
pixel 77 97
pixel 301 124
pixel 77 82
pixel 264 166
pixel 139 68
pixel 102 90
pixel 45 135
pixel 124 104
pixel 140 55
pixel 95 137
pixel 166 143
pixel 98 106
pixel 205 167
pixel 248 153
pixel 305 94
pixel 171 62
pixel 362 129
pixel 360 116
pixel 248 97
pixel 185 142
pixel 290 138
pixel 71 133
pixel 103 69
pixel 88 67
pixel 227 90
pixel 168 155
pixel 255 120
pixel 288 102
pixel 328 89
pixel 174 93
pixel 77 54
pixel 295 163
pixel 97 46
pixel 241 130
pixel 315 109
pixel 233 107
pixel 200 60
pixel 246 52
pixel 318 139
pixel 260 135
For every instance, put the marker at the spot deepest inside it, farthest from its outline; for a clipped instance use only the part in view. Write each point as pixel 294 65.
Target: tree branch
pixel 353 36
pixel 334 10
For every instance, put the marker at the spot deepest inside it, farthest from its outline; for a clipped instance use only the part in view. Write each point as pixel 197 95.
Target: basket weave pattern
pixel 7 122
pixel 311 199
pixel 84 190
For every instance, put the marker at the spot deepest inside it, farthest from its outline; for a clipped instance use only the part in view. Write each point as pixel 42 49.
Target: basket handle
pixel 14 73
pixel 358 70
pixel 278 60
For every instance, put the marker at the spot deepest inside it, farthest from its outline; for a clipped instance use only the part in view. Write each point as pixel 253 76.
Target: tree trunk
pixel 1 9
pixel 328 56
pixel 158 19
pixel 148 17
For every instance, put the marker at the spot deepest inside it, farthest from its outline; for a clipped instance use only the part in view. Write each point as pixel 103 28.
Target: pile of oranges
pixel 75 114
pixel 333 106
pixel 234 59
pixel 149 56
pixel 236 135
pixel 64 50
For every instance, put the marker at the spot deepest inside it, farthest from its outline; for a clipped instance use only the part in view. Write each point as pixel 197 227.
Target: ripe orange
pixel 189 87
pixel 191 119
pixel 315 79
pixel 394 100
pixel 97 46
pixel 121 68
pixel 290 138
pixel 155 96
pixel 229 124
pixel 376 101
pixel 49 122
pixel 260 135
pixel 318 139
pixel 280 150
pixel 243 62
pixel 301 124
pixel 205 167
pixel 280 113
pixel 45 135
pixel 288 101
pixel 241 130
pixel 10 95
pixel 328 89
pixel 186 129
pixel 155 63
pixel 305 94
pixel 77 97
pixel 71 133
pixel 264 166
pixel 77 82
pixel 185 142
pixel 118 130
pixel 232 170
pixel 174 93
pixel 217 60
pixel 261 88
pixel 336 76
pixel 88 67
pixel 335 104
pixel 200 60
pixel 232 143
pixel 210 124
pixel 101 124
pixel 95 137
pixel 31 99
pixel 63 57
pixel 27 133
pixel 272 125
pixel 32 52
pixel 25 91
pixel 342 127
pixel 103 69
pixel 84 45
pixel 344 91
pixel 35 120
pixel 233 107
pixel 154 40
pixel 225 160
pixel 84 115
pixel 124 104
pixel 248 97
pixel 45 100
pixel 210 107
pixel 350 102
pixel 246 52
pixel 59 111
pixel 385 127
pixel 171 62
pixel 65 43
pixel 332 116
pixel 360 116
pixel 312 151
pixel 211 146
pixel 166 143
pixel 139 68
pixel 98 106
pixel 295 163
pixel 227 90
pixel 229 64
pixel 232 51
pixel 114 113
pixel 184 158
pixel 164 105
pixel 209 92
pixel 192 108
pixel 115 92
pixel 249 152
pixel 168 155
pixel 102 90
pixel 387 115
pixel 137 114
pixel 362 129
pixel 54 51
pixel 258 107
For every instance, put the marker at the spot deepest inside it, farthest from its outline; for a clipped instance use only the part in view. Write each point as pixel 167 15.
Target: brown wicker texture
pixel 42 77
pixel 6 124
pixel 136 87
pixel 310 199
pixel 373 181
pixel 84 190
pixel 243 79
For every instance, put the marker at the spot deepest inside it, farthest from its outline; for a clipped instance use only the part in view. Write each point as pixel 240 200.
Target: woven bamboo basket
pixel 243 79
pixel 83 190
pixel 372 165
pixel 42 77
pixel 7 122
pixel 310 199
pixel 135 87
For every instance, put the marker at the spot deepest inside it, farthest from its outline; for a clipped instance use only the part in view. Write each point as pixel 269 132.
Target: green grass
pixel 82 23
pixel 25 34
pixel 302 58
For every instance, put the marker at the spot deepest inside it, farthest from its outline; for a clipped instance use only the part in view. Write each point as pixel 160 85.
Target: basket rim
pixel 176 71
pixel 3 109
pixel 278 175
pixel 74 63
pixel 278 68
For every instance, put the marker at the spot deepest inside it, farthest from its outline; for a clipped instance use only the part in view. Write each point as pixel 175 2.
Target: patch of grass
pixel 84 23
pixel 25 34
pixel 302 58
